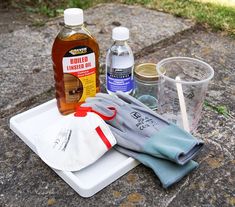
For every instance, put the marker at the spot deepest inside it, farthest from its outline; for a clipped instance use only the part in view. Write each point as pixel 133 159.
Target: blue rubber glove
pixel 168 172
pixel 138 128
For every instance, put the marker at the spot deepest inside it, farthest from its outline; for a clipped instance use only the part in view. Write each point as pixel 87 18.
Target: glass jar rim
pixel 146 72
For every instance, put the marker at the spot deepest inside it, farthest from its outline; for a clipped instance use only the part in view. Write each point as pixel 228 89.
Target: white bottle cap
pixel 120 33
pixel 73 16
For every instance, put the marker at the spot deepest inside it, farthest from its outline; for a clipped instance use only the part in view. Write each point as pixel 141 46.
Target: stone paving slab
pixel 26 181
pixel 25 53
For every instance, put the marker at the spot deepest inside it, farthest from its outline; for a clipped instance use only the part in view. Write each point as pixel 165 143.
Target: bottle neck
pixel 120 42
pixel 74 27
pixel 69 30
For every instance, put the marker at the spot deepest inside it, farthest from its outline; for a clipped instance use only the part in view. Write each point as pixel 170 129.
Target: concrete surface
pixel 27 80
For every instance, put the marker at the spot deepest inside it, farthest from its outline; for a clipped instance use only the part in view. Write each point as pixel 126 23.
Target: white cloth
pixel 73 143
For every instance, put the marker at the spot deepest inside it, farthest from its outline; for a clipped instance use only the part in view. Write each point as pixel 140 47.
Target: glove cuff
pixel 168 173
pixel 173 143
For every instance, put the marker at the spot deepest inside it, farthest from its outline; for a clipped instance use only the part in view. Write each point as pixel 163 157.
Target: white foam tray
pixel 85 182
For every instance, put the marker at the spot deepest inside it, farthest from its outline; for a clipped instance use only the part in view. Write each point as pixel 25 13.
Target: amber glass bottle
pixel 75 56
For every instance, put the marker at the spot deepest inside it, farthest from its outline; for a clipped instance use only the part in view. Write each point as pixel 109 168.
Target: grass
pixel 216 16
pixel 220 109
pixel 51 8
pixel 229 3
pixel 219 15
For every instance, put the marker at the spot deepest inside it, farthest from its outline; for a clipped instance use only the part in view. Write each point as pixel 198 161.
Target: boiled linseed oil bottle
pixel 75 56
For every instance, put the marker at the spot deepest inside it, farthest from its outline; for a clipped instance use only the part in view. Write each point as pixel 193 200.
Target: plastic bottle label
pixel 119 79
pixel 119 75
pixel 79 74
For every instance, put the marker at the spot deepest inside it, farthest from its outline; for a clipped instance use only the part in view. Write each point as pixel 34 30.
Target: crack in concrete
pixel 197 178
pixel 187 181
pixel 179 36
pixel 174 196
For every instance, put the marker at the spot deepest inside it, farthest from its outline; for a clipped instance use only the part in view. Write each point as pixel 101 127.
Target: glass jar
pixel 146 84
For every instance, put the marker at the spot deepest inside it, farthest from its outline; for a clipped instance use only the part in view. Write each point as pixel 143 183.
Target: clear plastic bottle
pixel 75 56
pixel 119 63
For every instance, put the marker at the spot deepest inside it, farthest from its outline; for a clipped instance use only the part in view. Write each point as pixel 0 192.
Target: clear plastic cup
pixel 193 76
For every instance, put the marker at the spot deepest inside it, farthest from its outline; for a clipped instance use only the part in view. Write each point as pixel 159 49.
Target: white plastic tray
pixel 86 182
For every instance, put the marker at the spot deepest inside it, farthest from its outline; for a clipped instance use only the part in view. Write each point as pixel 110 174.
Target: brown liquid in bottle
pixel 66 83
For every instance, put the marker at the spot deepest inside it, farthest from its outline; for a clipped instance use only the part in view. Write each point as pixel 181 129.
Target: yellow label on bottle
pixel 79 74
